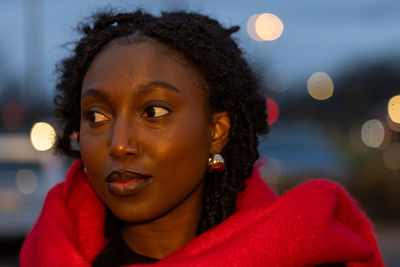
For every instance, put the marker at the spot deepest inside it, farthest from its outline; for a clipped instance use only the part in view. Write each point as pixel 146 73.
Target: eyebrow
pixel 142 88
pixel 138 90
pixel 94 92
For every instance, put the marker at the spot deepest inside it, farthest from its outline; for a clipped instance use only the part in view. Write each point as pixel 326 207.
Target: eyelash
pixel 91 114
pixel 156 105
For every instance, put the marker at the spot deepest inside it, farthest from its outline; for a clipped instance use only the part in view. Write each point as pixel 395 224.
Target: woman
pixel 166 113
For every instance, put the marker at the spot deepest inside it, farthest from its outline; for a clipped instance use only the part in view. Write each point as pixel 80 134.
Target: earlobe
pixel 221 125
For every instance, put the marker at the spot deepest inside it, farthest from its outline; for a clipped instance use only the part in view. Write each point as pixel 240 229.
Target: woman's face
pixel 145 133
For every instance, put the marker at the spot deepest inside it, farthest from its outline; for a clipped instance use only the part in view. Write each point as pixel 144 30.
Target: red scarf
pixel 314 223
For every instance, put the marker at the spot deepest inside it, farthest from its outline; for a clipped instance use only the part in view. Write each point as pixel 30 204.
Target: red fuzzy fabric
pixel 314 223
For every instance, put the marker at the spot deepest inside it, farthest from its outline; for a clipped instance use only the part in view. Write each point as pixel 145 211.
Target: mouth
pixel 125 183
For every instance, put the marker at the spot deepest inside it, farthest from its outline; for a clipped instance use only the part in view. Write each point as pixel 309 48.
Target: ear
pixel 219 133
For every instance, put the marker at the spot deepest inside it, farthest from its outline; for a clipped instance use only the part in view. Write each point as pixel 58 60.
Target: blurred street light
pixel 373 133
pixel 42 136
pixel 320 86
pixel 265 27
pixel 394 109
pixel 26 181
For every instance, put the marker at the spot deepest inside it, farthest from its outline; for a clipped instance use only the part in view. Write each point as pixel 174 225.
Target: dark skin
pixel 143 108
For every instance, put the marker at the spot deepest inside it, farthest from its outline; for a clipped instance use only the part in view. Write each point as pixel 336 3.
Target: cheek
pixel 181 152
pixel 184 144
pixel 89 148
pixel 179 158
pixel 93 149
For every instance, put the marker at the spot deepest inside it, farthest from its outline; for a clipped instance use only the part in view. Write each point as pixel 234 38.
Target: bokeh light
pixel 272 111
pixel 320 86
pixel 372 133
pixel 251 29
pixel 42 136
pixel 391 156
pixel 264 27
pixel 394 109
pixel 268 27
pixel 395 127
pixel 26 181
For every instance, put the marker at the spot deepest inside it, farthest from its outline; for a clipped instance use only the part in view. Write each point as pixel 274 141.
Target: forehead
pixel 141 61
pixel 154 45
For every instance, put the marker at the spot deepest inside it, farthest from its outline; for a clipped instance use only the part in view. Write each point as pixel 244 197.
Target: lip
pixel 125 183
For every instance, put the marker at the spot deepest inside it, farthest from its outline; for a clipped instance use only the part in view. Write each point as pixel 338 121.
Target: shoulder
pixel 322 193
pixel 318 185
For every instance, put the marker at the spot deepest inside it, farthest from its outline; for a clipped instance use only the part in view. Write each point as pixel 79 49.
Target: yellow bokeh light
pixel 373 133
pixel 394 109
pixel 42 136
pixel 268 27
pixel 391 156
pixel 26 181
pixel 320 86
pixel 395 127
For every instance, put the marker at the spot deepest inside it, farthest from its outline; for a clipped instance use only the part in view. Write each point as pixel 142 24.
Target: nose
pixel 123 141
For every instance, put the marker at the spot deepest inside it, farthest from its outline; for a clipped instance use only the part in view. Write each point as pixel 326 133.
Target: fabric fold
pixel 314 223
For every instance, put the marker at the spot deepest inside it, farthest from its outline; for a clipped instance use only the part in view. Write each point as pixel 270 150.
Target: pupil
pixel 92 117
pixel 151 112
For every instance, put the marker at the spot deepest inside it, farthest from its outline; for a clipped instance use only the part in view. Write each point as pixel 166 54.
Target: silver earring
pixel 216 163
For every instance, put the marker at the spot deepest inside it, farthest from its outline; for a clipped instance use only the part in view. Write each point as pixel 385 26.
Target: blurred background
pixel 331 70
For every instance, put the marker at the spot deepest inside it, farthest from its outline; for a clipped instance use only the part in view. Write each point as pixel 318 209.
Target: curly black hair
pixel 229 82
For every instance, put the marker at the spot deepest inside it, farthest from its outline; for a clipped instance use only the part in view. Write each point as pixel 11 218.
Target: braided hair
pixel 228 81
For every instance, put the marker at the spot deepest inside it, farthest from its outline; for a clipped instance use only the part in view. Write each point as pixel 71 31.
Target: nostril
pixel 123 140
pixel 123 150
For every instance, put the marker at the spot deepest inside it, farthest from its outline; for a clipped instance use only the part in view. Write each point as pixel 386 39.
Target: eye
pixel 94 117
pixel 155 111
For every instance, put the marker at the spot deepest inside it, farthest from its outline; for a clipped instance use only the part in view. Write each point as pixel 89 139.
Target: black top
pixel 118 253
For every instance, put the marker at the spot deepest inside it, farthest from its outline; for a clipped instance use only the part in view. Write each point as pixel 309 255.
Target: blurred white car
pixel 25 177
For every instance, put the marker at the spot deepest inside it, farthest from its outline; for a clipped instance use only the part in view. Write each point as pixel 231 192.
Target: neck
pixel 161 237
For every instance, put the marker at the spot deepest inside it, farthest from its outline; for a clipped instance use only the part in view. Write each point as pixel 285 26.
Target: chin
pixel 131 213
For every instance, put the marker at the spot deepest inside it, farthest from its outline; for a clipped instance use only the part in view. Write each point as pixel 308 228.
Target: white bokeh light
pixel 372 133
pixel 269 27
pixel 264 27
pixel 26 181
pixel 42 136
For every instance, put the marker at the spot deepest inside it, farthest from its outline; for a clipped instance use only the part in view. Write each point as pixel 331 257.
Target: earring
pixel 216 163
pixel 84 169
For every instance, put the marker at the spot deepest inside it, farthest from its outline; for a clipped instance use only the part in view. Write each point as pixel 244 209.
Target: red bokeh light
pixel 272 111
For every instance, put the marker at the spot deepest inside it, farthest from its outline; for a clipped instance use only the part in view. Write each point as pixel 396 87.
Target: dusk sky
pixel 318 35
